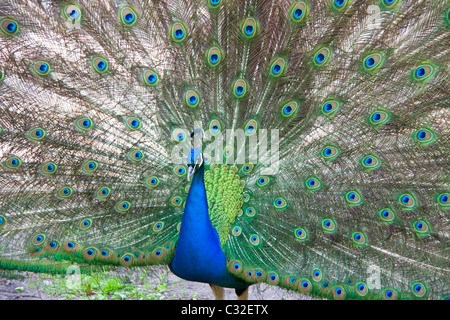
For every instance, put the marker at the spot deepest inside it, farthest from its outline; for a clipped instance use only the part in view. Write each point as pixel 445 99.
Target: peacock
pixel 303 144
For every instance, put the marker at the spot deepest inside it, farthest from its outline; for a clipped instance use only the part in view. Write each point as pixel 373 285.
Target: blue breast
pixel 198 255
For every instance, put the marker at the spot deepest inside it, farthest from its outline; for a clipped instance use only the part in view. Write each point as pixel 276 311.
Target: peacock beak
pixel 192 167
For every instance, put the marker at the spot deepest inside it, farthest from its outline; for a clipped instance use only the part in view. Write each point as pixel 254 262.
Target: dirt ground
pixel 33 286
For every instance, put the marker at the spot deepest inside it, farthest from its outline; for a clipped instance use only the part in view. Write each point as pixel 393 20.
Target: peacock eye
pixel 425 136
pixel 330 107
pixel 40 67
pixel 192 98
pixel 249 27
pixel 149 77
pixel 240 88
pixel 214 56
pixel 251 127
pixel 178 32
pixel 9 26
pixel 373 61
pixel 72 12
pixel 128 16
pixel 329 226
pixel 322 56
pixel 99 64
pixel 278 66
pixel 423 72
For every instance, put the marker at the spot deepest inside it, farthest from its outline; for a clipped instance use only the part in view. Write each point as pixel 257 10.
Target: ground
pixel 139 284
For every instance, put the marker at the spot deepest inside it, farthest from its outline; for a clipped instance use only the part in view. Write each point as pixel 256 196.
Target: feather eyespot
pixel 135 155
pixel 123 206
pixel 48 168
pixel 178 32
pixel 214 56
pixel 52 246
pixel 3 221
pixel 251 127
pixel 313 184
pixel 64 192
pixel 249 27
pixel 236 231
pixel 330 107
pixel 228 151
pixel 389 294
pixel 353 198
pixel 304 285
pixel 317 274
pixel 127 260
pixel 133 123
pixel 247 168
pixel 272 278
pixel 389 3
pixel 99 64
pixel 36 134
pixel 301 234
pixel 150 77
pixel 89 167
pixel 289 108
pixel 70 246
pixel 214 3
pixel 329 225
pixel 299 11
pixel 263 181
pixel 40 67
pixel 83 124
pixel 322 56
pixel 359 238
pixel 192 98
pixel 158 226
pixel 128 16
pixel 179 170
pixel 373 61
pixel 370 162
pixel 280 203
pixel 421 227
pixel 71 12
pixel 254 239
pixel 235 266
pixel 444 200
pixel 278 67
pixel 240 87
pixel 9 26
pixel 330 152
pixel 250 212
pixel 340 4
pixel 419 289
pixel 407 201
pixel 38 239
pixel 425 136
pixel 361 289
pixel 338 293
pixel 90 253
pixel 215 127
pixel 151 182
pixel 424 72
pixel 85 224
pixel 102 193
pixel 379 117
pixel 12 163
pixel 179 135
pixel 387 215
pixel 176 201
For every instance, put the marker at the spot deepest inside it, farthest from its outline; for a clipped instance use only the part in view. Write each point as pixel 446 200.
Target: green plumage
pixel 99 97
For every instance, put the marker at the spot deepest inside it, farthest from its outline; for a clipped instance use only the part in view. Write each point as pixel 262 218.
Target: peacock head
pixel 195 161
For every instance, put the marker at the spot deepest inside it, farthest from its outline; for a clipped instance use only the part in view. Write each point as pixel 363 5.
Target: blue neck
pixel 198 255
